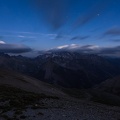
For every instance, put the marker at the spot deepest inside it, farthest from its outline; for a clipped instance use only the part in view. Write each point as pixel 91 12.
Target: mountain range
pixel 67 69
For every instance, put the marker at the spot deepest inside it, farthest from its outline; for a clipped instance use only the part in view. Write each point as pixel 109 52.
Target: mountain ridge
pixel 69 69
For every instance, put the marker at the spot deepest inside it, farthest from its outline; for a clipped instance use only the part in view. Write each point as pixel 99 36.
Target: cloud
pixel 18 36
pixel 90 49
pixel 80 37
pixel 30 54
pixel 27 40
pixel 56 12
pixel 98 8
pixel 53 11
pixel 112 32
pixel 51 35
pixel 63 46
pixel 76 47
pixel 59 36
pixel 2 42
pixel 14 48
pixel 110 50
pixel 21 36
pixel 68 47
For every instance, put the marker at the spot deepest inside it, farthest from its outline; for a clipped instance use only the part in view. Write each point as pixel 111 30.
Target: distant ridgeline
pixel 68 69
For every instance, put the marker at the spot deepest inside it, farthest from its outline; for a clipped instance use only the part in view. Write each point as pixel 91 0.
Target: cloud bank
pixel 2 42
pixel 13 48
pixel 90 49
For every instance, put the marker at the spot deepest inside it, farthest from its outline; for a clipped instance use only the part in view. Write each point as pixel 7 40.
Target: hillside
pixel 26 83
pixel 110 85
pixel 23 97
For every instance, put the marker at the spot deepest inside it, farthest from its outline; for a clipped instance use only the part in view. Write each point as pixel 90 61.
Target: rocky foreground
pixel 18 105
pixel 26 98
pixel 72 110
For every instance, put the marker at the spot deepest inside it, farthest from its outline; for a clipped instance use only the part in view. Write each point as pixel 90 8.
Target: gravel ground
pixel 63 109
pixel 53 108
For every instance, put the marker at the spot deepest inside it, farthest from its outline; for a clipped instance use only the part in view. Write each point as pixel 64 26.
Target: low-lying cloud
pixel 2 42
pixel 13 48
pixel 75 47
pixel 90 49
pixel 110 50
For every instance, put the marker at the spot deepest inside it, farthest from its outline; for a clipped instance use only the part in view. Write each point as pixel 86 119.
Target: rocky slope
pixel 23 97
pixel 27 83
pixel 110 85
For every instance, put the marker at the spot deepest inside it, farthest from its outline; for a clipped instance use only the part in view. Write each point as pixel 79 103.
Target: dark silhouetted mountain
pixel 68 69
pixel 110 86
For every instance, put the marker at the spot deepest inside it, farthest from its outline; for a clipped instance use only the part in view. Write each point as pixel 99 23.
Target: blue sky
pixel 45 24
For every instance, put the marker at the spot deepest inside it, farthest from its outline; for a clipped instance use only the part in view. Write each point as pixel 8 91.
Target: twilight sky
pixel 45 24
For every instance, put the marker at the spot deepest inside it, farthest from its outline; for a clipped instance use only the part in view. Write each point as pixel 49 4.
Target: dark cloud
pixel 53 11
pixel 110 50
pixel 98 8
pixel 14 48
pixel 56 12
pixel 105 51
pixel 80 37
pixel 59 36
pixel 112 32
